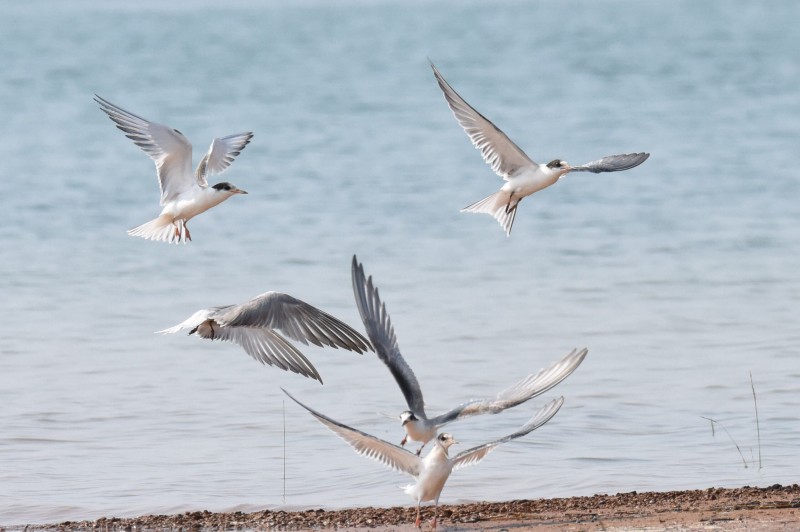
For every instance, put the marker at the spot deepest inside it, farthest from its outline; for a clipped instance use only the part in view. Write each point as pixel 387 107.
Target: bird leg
pixel 188 234
pixel 420 449
pixel 417 523
pixel 435 513
pixel 403 441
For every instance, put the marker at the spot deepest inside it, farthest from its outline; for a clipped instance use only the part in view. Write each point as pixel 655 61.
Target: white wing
pixel 613 163
pixel 296 319
pixel 531 386
pixel 384 452
pixel 191 323
pixel 170 150
pixel 476 454
pixel 499 152
pixel 220 155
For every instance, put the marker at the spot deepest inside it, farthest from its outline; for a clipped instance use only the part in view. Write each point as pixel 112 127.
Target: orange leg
pixel 417 523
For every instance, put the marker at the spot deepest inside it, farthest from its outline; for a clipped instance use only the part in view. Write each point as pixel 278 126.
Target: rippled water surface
pixel 681 276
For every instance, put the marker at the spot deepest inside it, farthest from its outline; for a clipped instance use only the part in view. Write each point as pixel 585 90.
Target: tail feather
pixel 498 205
pixel 162 229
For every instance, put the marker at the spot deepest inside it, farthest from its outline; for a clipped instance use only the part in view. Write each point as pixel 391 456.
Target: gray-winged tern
pixel 523 176
pixel 416 423
pixel 183 195
pixel 252 325
pixel 430 472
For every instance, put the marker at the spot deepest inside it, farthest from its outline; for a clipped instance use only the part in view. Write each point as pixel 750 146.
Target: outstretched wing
pixel 170 150
pixel 531 386
pixel 613 163
pixel 499 152
pixel 296 319
pixel 263 344
pixel 380 331
pixel 220 155
pixel 384 452
pixel 476 454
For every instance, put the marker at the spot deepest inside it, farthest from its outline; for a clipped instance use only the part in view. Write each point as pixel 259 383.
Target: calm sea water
pixel 681 276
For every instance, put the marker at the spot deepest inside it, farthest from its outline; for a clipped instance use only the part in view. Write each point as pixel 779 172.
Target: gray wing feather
pixel 613 163
pixel 384 452
pixel 296 319
pixel 531 386
pixel 220 155
pixel 499 152
pixel 270 348
pixel 168 148
pixel 476 454
pixel 380 331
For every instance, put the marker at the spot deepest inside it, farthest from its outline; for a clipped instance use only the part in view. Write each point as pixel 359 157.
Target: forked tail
pixel 500 206
pixel 163 229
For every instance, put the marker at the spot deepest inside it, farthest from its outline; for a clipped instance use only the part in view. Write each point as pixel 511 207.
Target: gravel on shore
pixel 773 508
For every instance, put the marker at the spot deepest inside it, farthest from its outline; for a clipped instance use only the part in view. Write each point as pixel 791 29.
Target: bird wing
pixel 524 390
pixel 499 152
pixel 296 319
pixel 380 331
pixel 476 454
pixel 268 347
pixel 263 344
pixel 220 155
pixel 170 150
pixel 384 452
pixel 613 163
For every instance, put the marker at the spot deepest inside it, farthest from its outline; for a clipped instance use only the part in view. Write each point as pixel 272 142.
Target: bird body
pixel 523 176
pixel 184 195
pixel 431 473
pixel 254 325
pixel 417 425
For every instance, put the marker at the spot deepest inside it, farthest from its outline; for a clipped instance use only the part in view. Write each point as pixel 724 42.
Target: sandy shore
pixel 773 508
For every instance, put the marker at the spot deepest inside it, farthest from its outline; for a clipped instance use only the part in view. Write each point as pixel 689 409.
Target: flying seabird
pixel 253 326
pixel 417 425
pixel 183 195
pixel 430 472
pixel 523 176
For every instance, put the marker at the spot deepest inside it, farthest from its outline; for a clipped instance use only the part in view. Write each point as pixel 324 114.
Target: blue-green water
pixel 681 276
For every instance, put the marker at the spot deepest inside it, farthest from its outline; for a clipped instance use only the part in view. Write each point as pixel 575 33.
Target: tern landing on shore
pixel 416 423
pixel 522 175
pixel 252 325
pixel 430 472
pixel 183 195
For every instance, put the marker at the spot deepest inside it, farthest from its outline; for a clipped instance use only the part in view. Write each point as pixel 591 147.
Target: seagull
pixel 417 425
pixel 430 472
pixel 183 195
pixel 522 175
pixel 253 326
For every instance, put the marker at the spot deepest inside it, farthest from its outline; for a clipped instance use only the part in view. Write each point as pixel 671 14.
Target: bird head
pixel 228 188
pixel 558 164
pixel 445 440
pixel 407 416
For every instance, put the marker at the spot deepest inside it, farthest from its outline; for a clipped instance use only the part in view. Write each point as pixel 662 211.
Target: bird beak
pixel 240 191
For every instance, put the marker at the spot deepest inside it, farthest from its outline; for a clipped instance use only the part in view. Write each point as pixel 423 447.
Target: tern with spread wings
pixel 184 195
pixel 253 326
pixel 523 176
pixel 430 472
pixel 418 426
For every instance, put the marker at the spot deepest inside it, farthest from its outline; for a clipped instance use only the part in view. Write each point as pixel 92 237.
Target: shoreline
pixel 747 508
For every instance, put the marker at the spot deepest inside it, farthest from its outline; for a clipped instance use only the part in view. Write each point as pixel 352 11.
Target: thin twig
pixel 758 427
pixel 284 450
pixel 729 436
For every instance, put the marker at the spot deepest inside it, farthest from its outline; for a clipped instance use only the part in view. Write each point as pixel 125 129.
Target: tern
pixel 522 175
pixel 418 426
pixel 183 195
pixel 253 326
pixel 430 472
